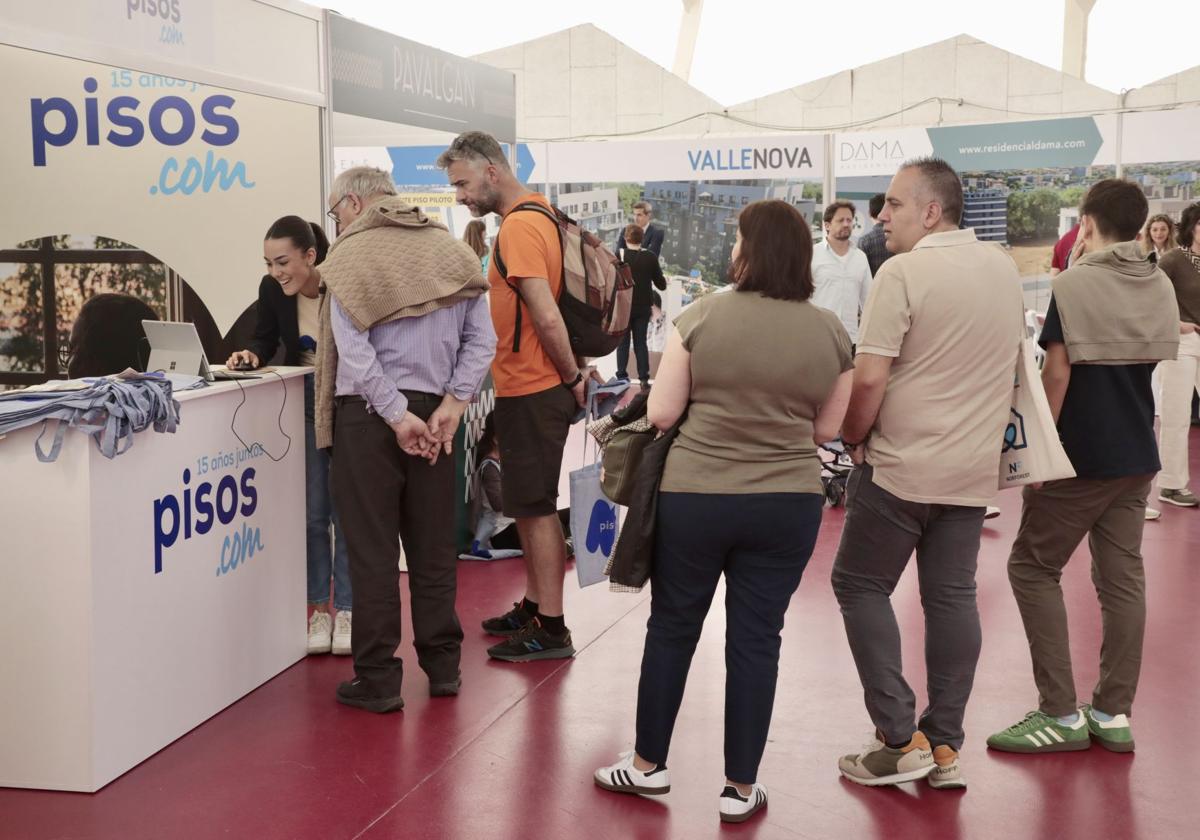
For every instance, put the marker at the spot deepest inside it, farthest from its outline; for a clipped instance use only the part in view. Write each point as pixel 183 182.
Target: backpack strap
pixel 503 269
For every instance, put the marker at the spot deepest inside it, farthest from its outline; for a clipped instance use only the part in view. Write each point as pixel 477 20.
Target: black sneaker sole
pixel 378 705
pixel 549 653
pixel 445 689
pixel 640 791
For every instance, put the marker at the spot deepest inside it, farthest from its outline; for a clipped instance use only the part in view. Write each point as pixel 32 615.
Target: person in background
pixel 652 235
pixel 107 336
pixel 1112 316
pixel 493 530
pixel 476 236
pixel 646 272
pixel 1181 376
pixel 287 313
pixel 1061 257
pixel 740 495
pixel 841 274
pixel 933 384
pixel 873 243
pixel 1158 237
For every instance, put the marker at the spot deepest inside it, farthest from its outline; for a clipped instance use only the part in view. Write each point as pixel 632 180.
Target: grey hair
pixel 476 146
pixel 941 183
pixel 364 182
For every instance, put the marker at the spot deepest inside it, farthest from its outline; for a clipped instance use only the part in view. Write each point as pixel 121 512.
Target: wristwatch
pixel 570 386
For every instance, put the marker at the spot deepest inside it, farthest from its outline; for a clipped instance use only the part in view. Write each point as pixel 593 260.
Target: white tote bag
pixel 1031 451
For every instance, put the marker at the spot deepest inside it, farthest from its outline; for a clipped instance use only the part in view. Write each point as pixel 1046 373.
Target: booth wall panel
pixel 45 574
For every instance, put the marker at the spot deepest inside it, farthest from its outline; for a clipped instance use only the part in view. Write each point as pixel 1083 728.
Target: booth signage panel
pixel 232 39
pixel 765 157
pixel 191 174
pixel 383 76
pixel 1157 136
pixel 1034 144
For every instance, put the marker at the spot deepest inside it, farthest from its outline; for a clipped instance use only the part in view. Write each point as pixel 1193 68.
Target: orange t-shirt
pixel 529 246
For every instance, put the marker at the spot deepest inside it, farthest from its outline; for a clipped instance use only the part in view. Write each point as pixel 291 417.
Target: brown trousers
pixel 383 495
pixel 1054 520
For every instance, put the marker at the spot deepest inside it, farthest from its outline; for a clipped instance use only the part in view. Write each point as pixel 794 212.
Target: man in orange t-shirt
pixel 540 385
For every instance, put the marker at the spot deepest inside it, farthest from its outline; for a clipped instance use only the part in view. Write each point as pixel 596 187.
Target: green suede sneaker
pixel 1040 733
pixel 1115 735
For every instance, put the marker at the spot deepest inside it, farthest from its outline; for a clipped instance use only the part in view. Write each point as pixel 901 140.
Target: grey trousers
pixel 1054 521
pixel 880 535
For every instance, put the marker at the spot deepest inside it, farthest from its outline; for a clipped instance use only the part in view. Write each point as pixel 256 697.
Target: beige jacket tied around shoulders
pixel 392 262
pixel 1117 308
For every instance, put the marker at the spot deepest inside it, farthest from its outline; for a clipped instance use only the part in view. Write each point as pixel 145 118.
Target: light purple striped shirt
pixel 447 351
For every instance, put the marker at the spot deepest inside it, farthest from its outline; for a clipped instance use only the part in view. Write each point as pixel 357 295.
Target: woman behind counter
pixel 288 307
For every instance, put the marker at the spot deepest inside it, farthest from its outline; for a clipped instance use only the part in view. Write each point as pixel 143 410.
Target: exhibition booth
pixel 150 145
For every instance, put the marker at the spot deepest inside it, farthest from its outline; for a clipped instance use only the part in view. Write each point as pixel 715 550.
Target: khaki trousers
pixel 1054 521
pixel 1180 377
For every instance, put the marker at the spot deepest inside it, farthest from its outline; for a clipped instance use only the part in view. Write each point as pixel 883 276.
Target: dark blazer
pixel 277 323
pixel 652 241
pixel 646 270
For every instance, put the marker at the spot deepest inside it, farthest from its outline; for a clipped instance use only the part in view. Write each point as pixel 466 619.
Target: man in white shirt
pixel 841 273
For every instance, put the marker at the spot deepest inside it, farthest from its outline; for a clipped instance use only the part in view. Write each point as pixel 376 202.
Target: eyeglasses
pixel 462 143
pixel 331 212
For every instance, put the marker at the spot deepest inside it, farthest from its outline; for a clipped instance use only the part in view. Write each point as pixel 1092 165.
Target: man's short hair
pixel 644 206
pixel 876 205
pixel 477 146
pixel 1117 208
pixel 634 235
pixel 942 184
pixel 364 182
pixel 831 210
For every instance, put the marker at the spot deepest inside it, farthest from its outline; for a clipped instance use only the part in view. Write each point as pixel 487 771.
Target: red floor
pixel 512 757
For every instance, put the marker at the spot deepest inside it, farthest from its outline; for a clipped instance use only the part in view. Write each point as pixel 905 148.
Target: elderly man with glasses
pixel 405 343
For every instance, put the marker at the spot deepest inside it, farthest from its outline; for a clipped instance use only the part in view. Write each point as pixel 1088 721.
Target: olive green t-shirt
pixel 761 368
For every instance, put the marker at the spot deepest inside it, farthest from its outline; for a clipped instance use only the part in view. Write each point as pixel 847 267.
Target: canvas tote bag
pixel 1031 451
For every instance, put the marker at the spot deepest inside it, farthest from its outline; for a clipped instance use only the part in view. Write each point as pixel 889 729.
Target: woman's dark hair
pixel 487 438
pixel 474 236
pixel 775 258
pixel 1187 225
pixel 107 337
pixel 304 235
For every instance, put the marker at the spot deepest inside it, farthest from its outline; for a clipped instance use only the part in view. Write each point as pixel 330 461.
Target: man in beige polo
pixel 933 386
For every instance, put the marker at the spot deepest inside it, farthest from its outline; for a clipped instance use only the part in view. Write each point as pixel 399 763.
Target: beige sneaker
pixel 946 773
pixel 879 764
pixel 341 634
pixel 320 632
pixel 1153 514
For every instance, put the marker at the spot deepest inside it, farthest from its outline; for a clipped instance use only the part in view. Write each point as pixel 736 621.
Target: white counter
pixel 124 626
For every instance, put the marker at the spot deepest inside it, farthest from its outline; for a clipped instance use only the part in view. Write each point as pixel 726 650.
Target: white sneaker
pixel 341 633
pixel 946 774
pixel 623 777
pixel 320 632
pixel 1153 514
pixel 736 808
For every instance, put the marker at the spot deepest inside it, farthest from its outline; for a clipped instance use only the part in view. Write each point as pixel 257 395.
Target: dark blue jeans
pixel 639 322
pixel 761 542
pixel 326 558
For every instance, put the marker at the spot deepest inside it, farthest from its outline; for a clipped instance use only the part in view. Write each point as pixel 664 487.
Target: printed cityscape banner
pixel 191 174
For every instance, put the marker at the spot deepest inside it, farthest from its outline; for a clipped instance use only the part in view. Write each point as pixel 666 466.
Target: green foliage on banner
pixel 1033 214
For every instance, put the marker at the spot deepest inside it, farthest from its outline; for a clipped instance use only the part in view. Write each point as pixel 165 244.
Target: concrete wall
pixel 583 82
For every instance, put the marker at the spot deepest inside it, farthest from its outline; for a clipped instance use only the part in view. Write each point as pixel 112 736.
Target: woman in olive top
pixel 1181 377
pixel 763 375
pixel 288 306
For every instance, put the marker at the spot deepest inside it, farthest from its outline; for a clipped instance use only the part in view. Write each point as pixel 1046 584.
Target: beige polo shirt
pixel 951 315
